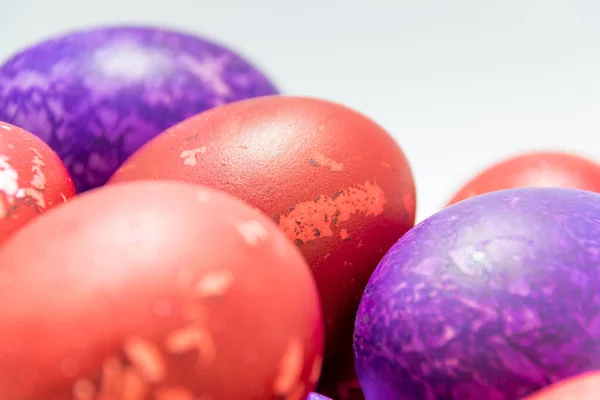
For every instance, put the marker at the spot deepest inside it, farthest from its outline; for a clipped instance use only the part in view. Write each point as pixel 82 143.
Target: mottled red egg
pixel 32 179
pixel 581 387
pixel 537 169
pixel 335 182
pixel 156 291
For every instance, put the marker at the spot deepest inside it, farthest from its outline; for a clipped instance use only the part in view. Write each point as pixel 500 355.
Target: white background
pixel 458 83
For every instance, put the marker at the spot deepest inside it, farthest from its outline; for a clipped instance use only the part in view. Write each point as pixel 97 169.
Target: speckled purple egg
pixel 492 298
pixel 96 96
pixel 317 396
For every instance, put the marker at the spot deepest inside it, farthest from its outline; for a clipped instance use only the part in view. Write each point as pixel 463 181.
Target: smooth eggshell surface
pixel 156 290
pixel 581 387
pixel 32 179
pixel 334 181
pixel 538 169
pixel 96 95
pixel 494 297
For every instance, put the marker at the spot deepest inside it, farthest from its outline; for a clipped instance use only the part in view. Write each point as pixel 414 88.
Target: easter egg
pixel 95 96
pixel 335 182
pixel 33 179
pixel 493 298
pixel 317 396
pixel 581 387
pixel 156 290
pixel 537 169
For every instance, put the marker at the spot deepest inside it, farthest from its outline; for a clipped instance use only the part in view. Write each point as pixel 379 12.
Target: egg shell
pixel 96 95
pixel 494 298
pixel 536 169
pixel 336 183
pixel 33 179
pixel 581 387
pixel 156 290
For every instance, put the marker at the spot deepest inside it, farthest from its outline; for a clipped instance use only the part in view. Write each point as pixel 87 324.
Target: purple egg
pixel 492 298
pixel 317 396
pixel 96 96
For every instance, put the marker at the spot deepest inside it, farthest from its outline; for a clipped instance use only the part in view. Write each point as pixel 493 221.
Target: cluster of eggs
pixel 230 243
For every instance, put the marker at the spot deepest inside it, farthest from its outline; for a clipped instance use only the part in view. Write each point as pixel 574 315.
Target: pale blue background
pixel 459 83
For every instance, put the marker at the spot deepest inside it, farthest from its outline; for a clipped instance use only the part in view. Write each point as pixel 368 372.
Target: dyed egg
pixel 96 96
pixel 492 298
pixel 317 396
pixel 32 179
pixel 163 291
pixel 539 169
pixel 582 387
pixel 334 181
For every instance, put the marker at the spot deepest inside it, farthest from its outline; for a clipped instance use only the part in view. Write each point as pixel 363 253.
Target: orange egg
pixel 581 387
pixel 537 169
pixel 32 179
pixel 156 290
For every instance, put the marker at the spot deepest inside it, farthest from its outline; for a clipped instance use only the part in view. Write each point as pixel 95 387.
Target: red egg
pixel 32 179
pixel 537 169
pixel 334 181
pixel 581 387
pixel 156 290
